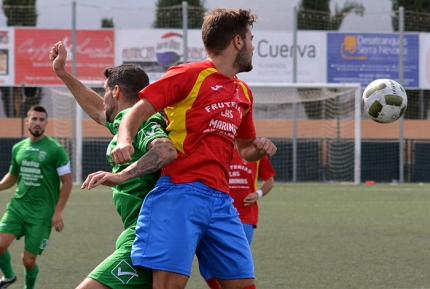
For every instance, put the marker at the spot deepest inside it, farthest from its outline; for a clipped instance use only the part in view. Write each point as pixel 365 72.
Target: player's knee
pixel 237 284
pixel 29 264
pixel 29 260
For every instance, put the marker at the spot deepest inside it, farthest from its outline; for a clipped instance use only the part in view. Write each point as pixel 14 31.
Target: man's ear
pixel 238 42
pixel 116 91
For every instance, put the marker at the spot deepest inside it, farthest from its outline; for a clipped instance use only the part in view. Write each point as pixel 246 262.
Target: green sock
pixel 6 265
pixel 30 277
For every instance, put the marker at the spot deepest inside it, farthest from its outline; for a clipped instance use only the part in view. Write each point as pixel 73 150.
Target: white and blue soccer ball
pixel 384 100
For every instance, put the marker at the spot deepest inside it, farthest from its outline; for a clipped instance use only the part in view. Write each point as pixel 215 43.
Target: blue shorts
pixel 249 232
pixel 177 221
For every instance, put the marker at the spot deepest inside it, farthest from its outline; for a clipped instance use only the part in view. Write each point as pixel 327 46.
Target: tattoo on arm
pixel 155 159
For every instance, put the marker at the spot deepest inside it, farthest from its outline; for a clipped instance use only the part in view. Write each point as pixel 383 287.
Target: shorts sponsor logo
pixel 124 272
pixel 3 224
pixel 44 243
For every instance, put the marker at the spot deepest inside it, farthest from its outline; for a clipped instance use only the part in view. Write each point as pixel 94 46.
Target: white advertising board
pixel 157 49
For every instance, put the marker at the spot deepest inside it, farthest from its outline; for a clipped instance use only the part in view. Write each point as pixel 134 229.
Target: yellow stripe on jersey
pixel 256 176
pixel 177 113
pixel 246 93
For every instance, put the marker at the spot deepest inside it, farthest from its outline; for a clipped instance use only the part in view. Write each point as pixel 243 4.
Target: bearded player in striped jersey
pixel 190 211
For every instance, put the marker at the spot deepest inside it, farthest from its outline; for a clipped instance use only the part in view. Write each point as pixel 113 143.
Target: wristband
pixel 259 193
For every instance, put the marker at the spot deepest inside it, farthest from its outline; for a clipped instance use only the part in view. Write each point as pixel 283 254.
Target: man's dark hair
pixel 129 77
pixel 221 25
pixel 37 108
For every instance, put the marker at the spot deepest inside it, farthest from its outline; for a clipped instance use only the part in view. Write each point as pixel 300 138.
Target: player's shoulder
pixel 157 118
pixel 21 143
pixel 190 67
pixel 52 142
pixel 241 82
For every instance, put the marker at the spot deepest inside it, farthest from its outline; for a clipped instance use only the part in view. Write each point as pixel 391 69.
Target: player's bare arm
pixel 66 188
pixel 256 148
pixel 161 152
pixel 87 98
pixel 265 188
pixel 8 181
pixel 131 122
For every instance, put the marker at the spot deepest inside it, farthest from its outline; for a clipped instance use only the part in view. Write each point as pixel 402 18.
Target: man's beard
pixel 242 62
pixel 108 113
pixel 36 134
pixel 109 110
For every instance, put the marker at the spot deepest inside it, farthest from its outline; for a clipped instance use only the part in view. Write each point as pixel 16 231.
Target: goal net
pixel 316 128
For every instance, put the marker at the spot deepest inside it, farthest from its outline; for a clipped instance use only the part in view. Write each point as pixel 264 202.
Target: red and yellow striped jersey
pixel 206 110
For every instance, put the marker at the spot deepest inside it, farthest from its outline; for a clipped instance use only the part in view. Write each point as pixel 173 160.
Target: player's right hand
pixel 122 152
pixel 265 146
pixel 250 199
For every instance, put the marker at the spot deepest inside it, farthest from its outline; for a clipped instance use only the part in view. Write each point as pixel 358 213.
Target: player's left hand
pixel 57 221
pixel 101 178
pixel 265 146
pixel 250 199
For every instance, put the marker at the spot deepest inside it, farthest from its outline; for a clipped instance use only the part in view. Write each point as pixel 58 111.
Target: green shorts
pixel 36 236
pixel 117 271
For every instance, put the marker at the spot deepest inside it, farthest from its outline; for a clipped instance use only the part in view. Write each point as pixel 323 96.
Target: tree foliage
pixel 169 14
pixel 417 15
pixel 107 23
pixel 20 12
pixel 316 14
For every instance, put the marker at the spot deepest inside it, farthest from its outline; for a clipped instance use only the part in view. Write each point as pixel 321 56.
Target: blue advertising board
pixel 364 57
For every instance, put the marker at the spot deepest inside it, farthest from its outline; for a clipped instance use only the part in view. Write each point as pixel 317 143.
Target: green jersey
pixel 38 166
pixel 128 196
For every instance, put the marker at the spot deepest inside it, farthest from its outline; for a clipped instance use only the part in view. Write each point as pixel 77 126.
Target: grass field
pixel 309 236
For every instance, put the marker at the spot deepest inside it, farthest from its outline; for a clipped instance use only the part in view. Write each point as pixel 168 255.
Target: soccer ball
pixel 384 100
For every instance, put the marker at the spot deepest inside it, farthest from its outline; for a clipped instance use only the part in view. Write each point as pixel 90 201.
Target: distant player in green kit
pixel 39 165
pixel 152 148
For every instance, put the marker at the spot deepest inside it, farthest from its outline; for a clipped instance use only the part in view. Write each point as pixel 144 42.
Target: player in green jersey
pixel 151 145
pixel 39 165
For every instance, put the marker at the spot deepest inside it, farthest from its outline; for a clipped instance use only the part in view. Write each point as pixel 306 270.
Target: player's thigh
pixel 224 252
pixel 117 271
pixel 165 279
pixel 36 238
pixel 11 227
pixel 90 283
pixel 5 240
pixel 12 224
pixel 167 238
